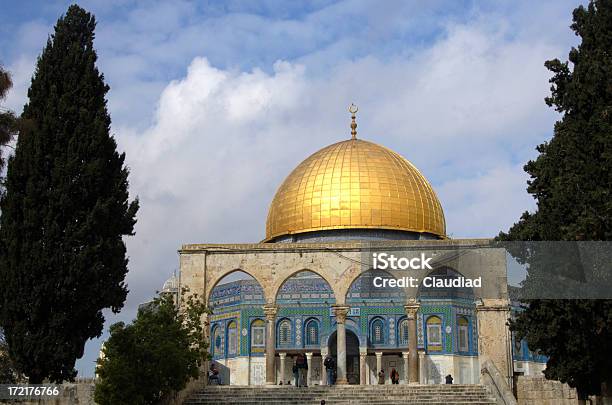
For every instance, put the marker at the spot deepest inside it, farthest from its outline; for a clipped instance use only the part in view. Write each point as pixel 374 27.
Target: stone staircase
pixel 347 395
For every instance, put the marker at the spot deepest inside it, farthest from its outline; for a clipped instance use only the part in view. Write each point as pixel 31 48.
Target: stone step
pixel 361 394
pixel 294 390
pixel 343 395
pixel 344 401
pixel 374 394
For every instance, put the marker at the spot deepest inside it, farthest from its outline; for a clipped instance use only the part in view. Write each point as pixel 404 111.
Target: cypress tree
pixel 65 211
pixel 571 181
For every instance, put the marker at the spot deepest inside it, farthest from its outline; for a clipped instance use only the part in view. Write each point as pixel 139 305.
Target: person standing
pixel 394 376
pixel 381 377
pixel 302 366
pixel 330 365
pixel 213 374
pixel 296 373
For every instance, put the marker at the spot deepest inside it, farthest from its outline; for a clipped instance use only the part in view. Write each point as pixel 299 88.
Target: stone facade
pixel 328 306
pixel 540 391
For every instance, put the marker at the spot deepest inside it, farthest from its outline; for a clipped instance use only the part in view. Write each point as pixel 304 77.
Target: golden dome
pixel 355 184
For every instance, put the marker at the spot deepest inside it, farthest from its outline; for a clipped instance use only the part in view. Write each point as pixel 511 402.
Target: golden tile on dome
pixel 355 184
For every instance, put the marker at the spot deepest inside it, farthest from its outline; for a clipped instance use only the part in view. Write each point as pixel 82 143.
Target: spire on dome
pixel 353 110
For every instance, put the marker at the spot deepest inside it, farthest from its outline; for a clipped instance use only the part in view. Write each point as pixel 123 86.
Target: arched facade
pixel 304 289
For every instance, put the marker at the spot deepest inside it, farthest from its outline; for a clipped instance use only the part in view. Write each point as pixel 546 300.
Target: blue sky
pixel 215 102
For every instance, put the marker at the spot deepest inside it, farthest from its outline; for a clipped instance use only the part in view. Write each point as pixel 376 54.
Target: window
pixel 403 332
pixel 284 332
pixel 463 335
pixel 217 349
pixel 312 332
pixel 258 334
pixel 434 333
pixel 377 335
pixel 232 339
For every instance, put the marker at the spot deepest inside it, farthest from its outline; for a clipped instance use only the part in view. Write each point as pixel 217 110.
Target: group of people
pixel 300 371
pixel 394 376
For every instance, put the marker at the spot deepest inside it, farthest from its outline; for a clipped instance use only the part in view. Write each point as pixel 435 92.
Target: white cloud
pixel 223 139
pixel 486 204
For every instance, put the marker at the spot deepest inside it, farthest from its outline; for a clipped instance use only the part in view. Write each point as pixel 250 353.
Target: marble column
pixel 282 356
pixel 406 367
pixel 422 368
pixel 309 371
pixel 413 357
pixel 363 355
pixel 323 369
pixel 379 365
pixel 341 311
pixel 270 310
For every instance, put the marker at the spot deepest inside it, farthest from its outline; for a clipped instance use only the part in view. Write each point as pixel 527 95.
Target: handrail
pixel 492 378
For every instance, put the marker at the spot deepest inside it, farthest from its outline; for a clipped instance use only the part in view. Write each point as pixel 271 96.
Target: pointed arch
pixel 312 332
pixel 236 285
pixel 304 286
pixel 221 279
pixel 378 333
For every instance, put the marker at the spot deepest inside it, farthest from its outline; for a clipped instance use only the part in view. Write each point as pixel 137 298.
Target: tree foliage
pixel 65 211
pixel 8 121
pixel 571 180
pixel 154 356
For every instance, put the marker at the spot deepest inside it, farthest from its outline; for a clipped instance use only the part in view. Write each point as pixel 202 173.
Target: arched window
pixel 463 341
pixel 258 336
pixel 284 332
pixel 312 332
pixel 377 334
pixel 434 333
pixel 403 332
pixel 232 339
pixel 217 342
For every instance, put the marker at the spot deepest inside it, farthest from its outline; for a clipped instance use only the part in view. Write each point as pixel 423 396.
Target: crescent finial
pixel 353 109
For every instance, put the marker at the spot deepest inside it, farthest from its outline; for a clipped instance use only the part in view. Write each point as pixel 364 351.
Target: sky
pixel 214 103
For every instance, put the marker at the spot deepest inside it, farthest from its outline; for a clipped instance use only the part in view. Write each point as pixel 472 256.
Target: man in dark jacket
pixel 330 365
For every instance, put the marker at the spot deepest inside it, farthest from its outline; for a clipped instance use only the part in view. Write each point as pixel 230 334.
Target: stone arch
pixel 279 285
pixel 222 275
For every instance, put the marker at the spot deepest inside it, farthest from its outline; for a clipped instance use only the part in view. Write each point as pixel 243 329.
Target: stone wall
pixel 494 336
pixel 77 393
pixel 540 391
